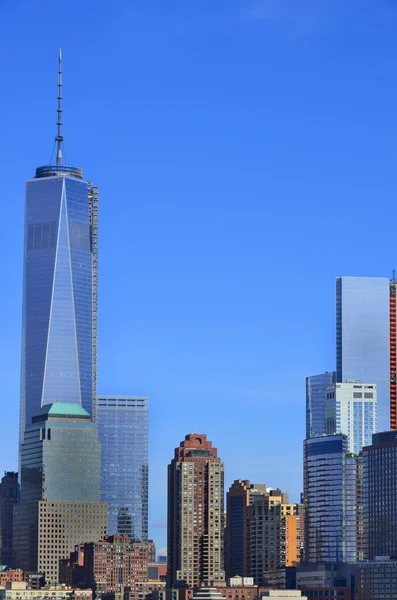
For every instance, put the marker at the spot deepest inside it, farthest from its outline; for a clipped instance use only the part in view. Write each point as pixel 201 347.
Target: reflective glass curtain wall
pixel 60 488
pixel 363 336
pixel 333 500
pixel 316 386
pixel 123 433
pixel 58 311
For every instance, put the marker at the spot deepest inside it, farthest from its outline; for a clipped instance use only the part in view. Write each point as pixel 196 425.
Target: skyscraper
pixel 60 503
pixel 195 514
pixel 9 493
pixel 332 500
pixel 380 495
pixel 238 499
pixel 351 409
pixel 363 336
pixel 273 533
pixel 316 386
pixel 123 432
pixel 59 287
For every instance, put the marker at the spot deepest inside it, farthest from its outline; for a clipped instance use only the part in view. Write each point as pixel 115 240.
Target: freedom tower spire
pixel 59 286
pixel 59 136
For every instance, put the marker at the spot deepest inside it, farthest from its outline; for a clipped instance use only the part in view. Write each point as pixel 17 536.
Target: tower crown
pixel 59 168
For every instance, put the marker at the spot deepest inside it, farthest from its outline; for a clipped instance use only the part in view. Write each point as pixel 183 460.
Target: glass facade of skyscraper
pixel 60 488
pixel 363 336
pixel 333 500
pixel 316 386
pixel 123 432
pixel 58 333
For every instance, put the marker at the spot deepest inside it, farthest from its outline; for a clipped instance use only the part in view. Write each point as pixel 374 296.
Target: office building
pixel 60 503
pixel 123 432
pixel 236 547
pixel 282 578
pixel 195 514
pixel 106 566
pixel 363 336
pixel 327 580
pixel 332 500
pixel 238 498
pixel 377 579
pixel 9 493
pixel 316 386
pixel 351 409
pixel 273 534
pixel 59 287
pixel 380 496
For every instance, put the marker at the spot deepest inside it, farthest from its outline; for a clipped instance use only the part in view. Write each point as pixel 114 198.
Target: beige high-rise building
pixel 195 514
pixel 274 531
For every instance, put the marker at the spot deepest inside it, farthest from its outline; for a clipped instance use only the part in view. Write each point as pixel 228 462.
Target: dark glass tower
pixel 380 495
pixel 9 493
pixel 123 432
pixel 333 500
pixel 238 499
pixel 59 287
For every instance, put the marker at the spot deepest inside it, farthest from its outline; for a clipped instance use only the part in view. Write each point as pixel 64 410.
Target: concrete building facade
pixel 195 514
pixel 274 534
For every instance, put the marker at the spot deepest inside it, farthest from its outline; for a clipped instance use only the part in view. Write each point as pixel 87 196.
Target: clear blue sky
pixel 246 156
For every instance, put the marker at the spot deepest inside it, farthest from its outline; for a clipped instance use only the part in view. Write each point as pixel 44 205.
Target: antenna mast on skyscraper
pixel 59 137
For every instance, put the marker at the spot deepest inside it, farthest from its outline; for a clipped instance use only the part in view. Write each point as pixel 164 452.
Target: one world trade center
pixel 59 332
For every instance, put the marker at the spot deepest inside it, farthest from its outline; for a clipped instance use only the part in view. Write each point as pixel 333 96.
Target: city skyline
pixel 208 324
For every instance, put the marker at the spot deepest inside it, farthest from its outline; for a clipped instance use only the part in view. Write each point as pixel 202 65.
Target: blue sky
pixel 246 156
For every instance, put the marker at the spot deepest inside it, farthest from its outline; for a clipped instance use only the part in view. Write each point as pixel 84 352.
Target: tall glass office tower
pixel 123 432
pixel 332 500
pixel 59 287
pixel 316 387
pixel 363 336
pixel 60 503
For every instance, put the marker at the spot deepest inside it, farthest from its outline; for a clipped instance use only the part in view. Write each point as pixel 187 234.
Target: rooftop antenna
pixel 394 276
pixel 59 137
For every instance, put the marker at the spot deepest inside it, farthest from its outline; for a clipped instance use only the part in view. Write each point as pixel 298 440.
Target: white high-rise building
pixel 351 409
